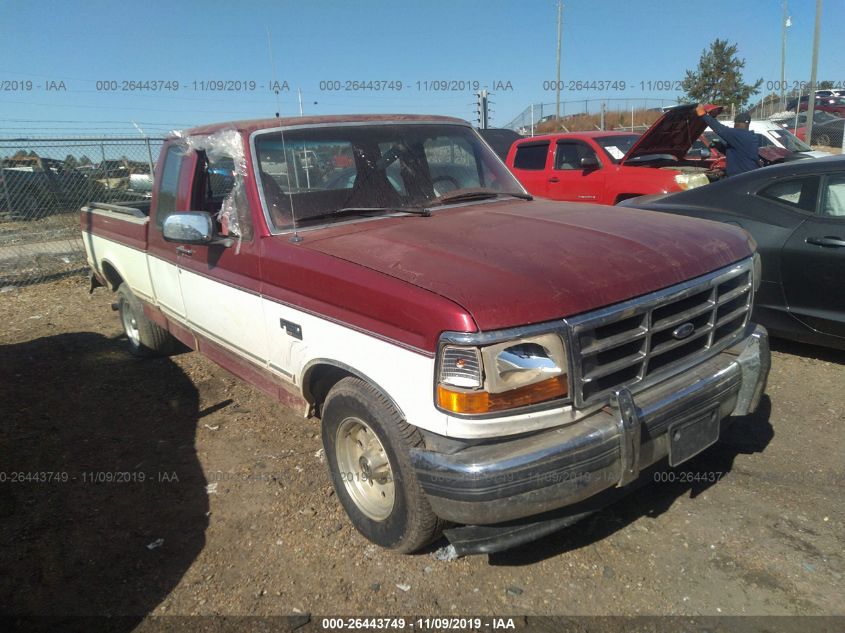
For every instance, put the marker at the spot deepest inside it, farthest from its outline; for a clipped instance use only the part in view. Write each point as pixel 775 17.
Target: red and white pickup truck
pixel 474 356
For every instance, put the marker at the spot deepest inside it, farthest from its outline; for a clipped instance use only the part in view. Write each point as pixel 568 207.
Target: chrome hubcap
pixel 130 324
pixel 365 469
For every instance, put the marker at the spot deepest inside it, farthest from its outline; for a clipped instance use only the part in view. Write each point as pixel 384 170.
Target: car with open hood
pixel 606 167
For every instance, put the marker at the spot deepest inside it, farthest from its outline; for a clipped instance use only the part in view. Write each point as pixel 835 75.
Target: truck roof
pixel 251 125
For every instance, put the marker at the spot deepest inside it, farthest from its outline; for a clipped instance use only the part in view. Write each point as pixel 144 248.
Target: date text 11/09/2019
pixel 87 477
pixel 433 623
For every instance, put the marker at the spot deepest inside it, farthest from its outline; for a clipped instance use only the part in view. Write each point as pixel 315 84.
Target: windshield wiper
pixel 365 210
pixel 480 194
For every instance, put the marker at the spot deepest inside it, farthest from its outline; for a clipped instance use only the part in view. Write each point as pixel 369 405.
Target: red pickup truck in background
pixel 607 167
pixel 472 355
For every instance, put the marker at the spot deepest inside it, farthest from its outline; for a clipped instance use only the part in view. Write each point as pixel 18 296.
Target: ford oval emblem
pixel 683 331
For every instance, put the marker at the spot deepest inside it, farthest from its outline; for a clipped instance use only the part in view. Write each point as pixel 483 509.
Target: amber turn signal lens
pixel 469 402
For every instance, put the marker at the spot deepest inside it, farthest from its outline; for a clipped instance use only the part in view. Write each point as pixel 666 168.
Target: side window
pixel 224 196
pixel 568 154
pixel 800 193
pixel 531 156
pixel 833 197
pixel 169 183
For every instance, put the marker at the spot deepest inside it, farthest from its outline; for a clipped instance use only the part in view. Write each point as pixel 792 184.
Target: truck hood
pixel 515 263
pixel 673 133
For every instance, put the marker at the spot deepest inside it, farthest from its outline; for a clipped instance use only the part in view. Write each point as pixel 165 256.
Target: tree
pixel 70 161
pixel 84 160
pixel 718 79
pixel 825 85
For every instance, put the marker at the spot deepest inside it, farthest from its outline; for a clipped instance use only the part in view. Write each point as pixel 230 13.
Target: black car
pixel 796 213
pixel 500 139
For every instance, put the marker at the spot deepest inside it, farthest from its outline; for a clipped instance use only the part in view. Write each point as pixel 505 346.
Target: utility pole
pixel 811 96
pixel 785 22
pixel 557 83
pixel 481 109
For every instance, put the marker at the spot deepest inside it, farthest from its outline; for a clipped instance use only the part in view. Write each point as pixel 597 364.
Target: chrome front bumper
pixel 515 478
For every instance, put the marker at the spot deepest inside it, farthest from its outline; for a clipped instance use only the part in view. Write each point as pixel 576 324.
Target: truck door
pixel 572 180
pixel 220 284
pixel 170 194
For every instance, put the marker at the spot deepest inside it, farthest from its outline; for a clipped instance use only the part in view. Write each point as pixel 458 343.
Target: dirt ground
pixel 178 489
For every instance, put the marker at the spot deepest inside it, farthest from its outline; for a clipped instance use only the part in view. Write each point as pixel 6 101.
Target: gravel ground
pixel 235 513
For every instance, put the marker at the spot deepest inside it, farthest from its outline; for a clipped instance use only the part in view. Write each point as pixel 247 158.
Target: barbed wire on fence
pixel 43 184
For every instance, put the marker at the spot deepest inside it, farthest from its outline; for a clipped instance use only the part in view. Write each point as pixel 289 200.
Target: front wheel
pixel 367 446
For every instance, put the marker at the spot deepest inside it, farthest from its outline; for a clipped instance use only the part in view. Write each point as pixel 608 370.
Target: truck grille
pixel 648 337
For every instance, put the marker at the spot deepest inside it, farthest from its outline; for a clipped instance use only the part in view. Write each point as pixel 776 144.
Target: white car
pixel 773 134
pixel 830 93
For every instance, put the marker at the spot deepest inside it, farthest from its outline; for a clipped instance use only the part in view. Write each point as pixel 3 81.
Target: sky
pixel 91 67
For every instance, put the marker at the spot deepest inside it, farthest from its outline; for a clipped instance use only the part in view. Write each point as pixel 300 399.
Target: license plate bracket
pixel 689 437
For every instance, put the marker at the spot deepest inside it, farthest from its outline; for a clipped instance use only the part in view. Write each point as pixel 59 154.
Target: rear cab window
pixel 531 156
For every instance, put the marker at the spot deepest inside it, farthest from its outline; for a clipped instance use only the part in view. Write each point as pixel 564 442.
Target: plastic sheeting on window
pixel 234 211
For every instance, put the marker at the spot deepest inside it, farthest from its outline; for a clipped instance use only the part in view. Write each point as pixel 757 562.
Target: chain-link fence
pixel 610 113
pixel 43 184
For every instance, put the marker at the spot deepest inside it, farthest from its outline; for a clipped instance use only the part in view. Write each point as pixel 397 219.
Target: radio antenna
pixel 273 70
pixel 295 238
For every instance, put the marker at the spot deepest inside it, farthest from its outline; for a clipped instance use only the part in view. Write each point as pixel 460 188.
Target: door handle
pixel 827 240
pixel 554 179
pixel 184 250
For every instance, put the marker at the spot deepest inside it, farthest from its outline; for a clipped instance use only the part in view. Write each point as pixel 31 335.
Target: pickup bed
pixel 472 356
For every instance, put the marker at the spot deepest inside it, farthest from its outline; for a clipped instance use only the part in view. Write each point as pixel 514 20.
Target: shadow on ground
pixel 806 350
pixel 661 487
pixel 123 515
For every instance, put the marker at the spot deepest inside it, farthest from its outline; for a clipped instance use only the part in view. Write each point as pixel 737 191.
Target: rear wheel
pixel 367 446
pixel 146 338
pixel 823 139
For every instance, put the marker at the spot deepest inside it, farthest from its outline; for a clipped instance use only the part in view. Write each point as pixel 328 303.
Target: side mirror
pixel 590 162
pixel 191 227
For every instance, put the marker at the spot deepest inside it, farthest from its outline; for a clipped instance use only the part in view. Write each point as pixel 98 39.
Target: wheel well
pixel 112 276
pixel 319 380
pixel 626 196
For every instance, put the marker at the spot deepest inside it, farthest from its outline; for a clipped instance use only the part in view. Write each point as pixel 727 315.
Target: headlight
pixel 756 270
pixel 517 373
pixel 691 181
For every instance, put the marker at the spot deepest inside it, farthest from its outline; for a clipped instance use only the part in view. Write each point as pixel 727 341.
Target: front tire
pixel 145 337
pixel 367 445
